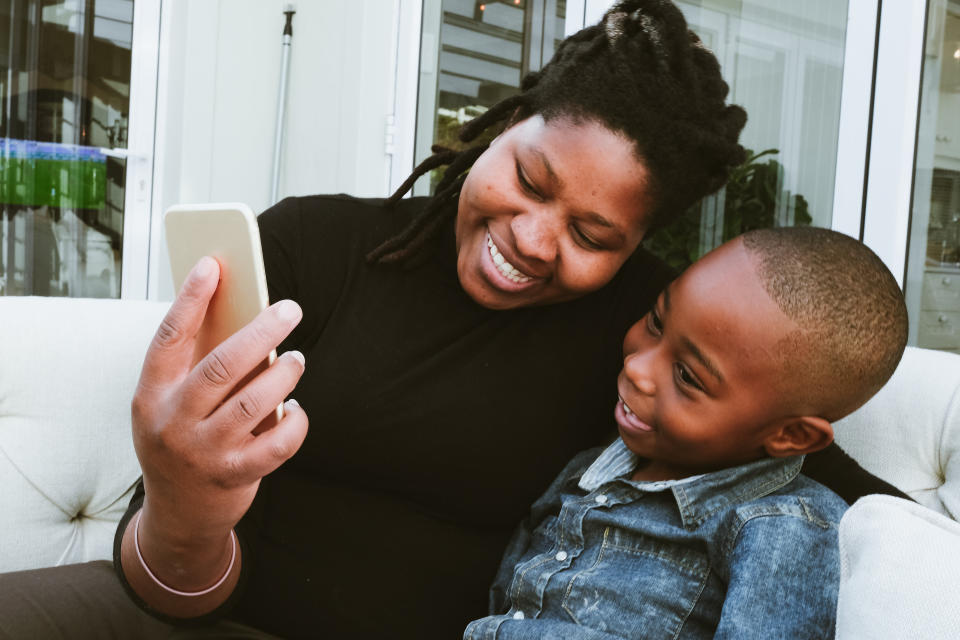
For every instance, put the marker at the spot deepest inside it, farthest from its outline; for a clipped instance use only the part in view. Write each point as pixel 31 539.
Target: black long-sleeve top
pixel 434 424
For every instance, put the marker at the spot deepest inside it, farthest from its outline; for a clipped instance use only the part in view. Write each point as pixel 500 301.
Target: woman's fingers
pixel 267 451
pixel 171 350
pixel 236 419
pixel 214 378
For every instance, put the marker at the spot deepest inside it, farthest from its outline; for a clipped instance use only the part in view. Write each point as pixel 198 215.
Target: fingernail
pixel 205 266
pixel 292 403
pixel 297 356
pixel 288 310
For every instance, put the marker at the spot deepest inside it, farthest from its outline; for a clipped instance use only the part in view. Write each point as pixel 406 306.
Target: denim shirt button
pixel 518 615
pixel 561 556
pixel 601 499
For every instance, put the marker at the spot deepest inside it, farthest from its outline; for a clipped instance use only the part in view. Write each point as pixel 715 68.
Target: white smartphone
pixel 228 233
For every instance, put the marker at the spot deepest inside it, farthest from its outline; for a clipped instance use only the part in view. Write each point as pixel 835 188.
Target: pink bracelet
pixel 143 563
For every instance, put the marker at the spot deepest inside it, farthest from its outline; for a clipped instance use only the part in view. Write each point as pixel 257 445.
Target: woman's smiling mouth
pixel 501 273
pixel 506 269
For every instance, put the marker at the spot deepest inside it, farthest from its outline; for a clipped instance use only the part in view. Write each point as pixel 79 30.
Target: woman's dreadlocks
pixel 640 72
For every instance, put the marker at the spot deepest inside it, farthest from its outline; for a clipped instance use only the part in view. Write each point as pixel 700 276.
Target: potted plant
pixel 752 199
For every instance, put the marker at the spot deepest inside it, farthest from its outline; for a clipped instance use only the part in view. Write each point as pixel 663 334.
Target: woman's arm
pixel 195 433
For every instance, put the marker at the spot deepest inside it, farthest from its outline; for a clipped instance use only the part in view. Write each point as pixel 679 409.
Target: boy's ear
pixel 795 436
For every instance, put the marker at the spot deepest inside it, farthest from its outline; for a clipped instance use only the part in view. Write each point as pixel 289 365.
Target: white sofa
pixel 68 369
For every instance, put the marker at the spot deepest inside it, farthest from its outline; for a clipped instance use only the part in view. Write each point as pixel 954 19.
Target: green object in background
pixel 65 176
pixel 751 201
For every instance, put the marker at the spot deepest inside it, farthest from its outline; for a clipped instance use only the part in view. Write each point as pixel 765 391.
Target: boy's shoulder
pixel 802 499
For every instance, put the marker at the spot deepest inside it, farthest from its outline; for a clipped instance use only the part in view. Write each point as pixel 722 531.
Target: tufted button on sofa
pixel 68 369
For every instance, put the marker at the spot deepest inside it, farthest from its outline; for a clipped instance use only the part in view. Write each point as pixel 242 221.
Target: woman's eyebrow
pixel 551 174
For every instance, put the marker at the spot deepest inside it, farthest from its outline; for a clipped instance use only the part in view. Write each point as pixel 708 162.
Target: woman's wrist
pixel 175 583
pixel 168 588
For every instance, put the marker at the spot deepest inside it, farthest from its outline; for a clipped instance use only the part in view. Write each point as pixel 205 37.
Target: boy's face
pixel 701 387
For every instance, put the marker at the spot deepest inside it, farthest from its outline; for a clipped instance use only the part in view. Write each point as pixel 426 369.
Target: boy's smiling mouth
pixel 627 419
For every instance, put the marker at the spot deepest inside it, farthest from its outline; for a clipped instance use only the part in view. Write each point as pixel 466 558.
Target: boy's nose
pixel 638 368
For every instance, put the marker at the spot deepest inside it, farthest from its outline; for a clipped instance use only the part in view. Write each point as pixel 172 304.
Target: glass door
pixel 803 71
pixel 65 133
pixel 473 54
pixel 933 266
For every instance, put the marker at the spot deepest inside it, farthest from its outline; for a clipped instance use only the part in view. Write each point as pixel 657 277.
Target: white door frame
pixel 893 134
pixel 401 127
pixel 855 105
pixel 139 153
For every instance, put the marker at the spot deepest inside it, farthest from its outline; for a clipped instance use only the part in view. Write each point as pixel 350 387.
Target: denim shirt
pixel 744 552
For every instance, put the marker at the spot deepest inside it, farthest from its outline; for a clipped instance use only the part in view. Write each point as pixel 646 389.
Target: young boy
pixel 696 522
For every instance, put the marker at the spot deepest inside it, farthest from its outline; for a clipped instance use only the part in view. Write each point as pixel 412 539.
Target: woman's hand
pixel 196 435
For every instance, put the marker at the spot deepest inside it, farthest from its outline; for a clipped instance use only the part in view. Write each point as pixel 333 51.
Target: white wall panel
pixel 217 101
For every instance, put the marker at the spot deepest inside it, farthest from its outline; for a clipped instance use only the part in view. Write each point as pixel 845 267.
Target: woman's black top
pixel 434 424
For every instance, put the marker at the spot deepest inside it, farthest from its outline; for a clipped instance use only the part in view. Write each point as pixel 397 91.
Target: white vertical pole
pixel 288 11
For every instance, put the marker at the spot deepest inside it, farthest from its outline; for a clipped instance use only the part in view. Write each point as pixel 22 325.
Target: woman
pixel 486 321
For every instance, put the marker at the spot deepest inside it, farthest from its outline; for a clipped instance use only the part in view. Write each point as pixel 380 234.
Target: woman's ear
pixel 795 436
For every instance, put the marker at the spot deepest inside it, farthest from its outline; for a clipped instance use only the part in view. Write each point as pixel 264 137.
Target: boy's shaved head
pixel 850 310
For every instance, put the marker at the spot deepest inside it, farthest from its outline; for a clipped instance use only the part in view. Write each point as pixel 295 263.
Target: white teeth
pixel 626 409
pixel 506 269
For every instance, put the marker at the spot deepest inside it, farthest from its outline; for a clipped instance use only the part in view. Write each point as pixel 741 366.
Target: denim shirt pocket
pixel 637 587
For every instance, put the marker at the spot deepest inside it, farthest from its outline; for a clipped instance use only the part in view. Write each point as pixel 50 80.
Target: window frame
pixel 137 208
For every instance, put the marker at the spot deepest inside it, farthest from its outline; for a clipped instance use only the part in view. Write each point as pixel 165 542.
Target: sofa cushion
pixel 909 433
pixel 899 571
pixel 68 368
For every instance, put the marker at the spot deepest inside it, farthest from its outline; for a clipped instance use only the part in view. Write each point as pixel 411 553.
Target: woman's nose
pixel 536 234
pixel 639 369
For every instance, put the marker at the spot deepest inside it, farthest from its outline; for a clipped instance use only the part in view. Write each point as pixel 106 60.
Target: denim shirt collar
pixel 697 496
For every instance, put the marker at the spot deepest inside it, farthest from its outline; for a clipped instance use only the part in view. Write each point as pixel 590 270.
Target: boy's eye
pixel 654 324
pixel 685 377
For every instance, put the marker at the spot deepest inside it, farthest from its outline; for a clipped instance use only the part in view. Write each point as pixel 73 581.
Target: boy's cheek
pixel 631 342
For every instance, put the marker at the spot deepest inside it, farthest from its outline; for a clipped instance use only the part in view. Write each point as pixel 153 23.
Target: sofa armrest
pixel 899 571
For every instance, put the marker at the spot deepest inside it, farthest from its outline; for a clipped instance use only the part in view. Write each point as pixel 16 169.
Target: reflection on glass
pixel 933 268
pixel 783 61
pixel 64 104
pixel 473 55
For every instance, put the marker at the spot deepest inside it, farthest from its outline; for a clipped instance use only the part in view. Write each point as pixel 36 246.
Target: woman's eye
pixel 585 240
pixel 524 183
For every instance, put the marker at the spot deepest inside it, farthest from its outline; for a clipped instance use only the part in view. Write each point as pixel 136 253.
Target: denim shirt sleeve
pixel 547 504
pixel 784 577
pixel 496 629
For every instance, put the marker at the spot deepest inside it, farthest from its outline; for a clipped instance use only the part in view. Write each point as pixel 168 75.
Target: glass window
pixel 64 106
pixel 783 61
pixel 933 263
pixel 473 54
